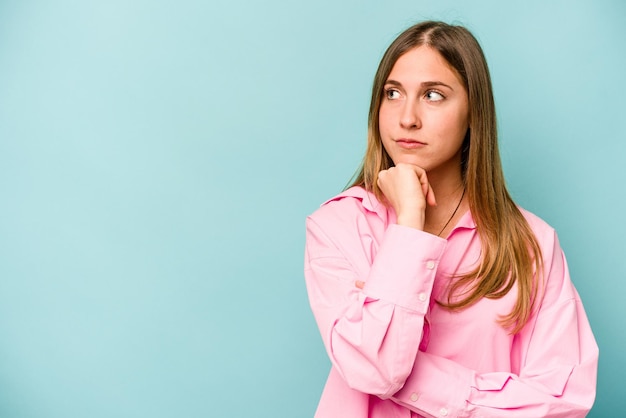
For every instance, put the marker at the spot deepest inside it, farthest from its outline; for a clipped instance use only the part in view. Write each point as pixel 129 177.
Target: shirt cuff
pixel 437 387
pixel 404 268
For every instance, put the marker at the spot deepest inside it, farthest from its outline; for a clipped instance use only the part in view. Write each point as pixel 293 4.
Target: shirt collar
pixel 368 199
pixel 466 221
pixel 370 203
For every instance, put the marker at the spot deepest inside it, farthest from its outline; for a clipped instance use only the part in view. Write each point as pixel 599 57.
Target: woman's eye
pixel 392 94
pixel 434 96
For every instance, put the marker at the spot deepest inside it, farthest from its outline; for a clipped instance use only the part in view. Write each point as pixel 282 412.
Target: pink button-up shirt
pixel 396 353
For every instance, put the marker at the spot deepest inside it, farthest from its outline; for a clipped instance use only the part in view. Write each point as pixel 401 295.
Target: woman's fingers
pixel 426 188
pixel 403 182
pixel 408 191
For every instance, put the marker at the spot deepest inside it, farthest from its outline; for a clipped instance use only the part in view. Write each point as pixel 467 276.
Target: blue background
pixel 158 158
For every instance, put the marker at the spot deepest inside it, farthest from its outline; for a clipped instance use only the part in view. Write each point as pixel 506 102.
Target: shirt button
pixel 414 397
pixel 430 264
pixel 443 412
pixel 422 297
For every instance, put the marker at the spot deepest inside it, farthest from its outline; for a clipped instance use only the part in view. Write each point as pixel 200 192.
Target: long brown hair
pixel 510 252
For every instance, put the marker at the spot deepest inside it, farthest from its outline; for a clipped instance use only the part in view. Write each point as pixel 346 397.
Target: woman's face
pixel 424 113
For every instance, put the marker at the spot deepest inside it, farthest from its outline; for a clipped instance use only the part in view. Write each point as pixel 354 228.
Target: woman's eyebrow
pixel 436 84
pixel 394 82
pixel 422 84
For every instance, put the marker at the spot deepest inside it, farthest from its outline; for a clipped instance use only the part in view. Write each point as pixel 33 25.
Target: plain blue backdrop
pixel 158 158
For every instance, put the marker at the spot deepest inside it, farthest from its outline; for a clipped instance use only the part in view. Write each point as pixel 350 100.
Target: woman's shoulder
pixel 546 236
pixel 534 220
pixel 542 229
pixel 344 220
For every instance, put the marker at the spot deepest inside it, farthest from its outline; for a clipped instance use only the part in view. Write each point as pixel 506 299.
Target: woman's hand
pixel 407 189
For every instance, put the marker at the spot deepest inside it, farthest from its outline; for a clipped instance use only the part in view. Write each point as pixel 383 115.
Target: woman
pixel 434 293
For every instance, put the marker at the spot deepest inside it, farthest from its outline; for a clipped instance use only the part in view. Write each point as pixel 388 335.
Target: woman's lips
pixel 407 143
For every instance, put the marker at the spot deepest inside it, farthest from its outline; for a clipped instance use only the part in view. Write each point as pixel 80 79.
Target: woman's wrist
pixel 413 221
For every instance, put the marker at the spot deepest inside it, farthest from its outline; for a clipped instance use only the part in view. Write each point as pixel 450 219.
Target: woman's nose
pixel 409 119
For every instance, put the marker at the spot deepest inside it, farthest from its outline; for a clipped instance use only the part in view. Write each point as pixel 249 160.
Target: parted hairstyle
pixel 510 252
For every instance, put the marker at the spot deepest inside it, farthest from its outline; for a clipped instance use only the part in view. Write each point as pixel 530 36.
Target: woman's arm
pixel 371 335
pixel 558 359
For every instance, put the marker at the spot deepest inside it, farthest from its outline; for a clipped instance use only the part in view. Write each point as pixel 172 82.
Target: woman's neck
pixel 451 204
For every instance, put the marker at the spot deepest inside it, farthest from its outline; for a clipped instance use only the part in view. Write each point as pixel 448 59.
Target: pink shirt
pixel 396 353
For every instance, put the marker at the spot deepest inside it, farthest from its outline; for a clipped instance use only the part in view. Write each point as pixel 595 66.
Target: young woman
pixel 435 294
